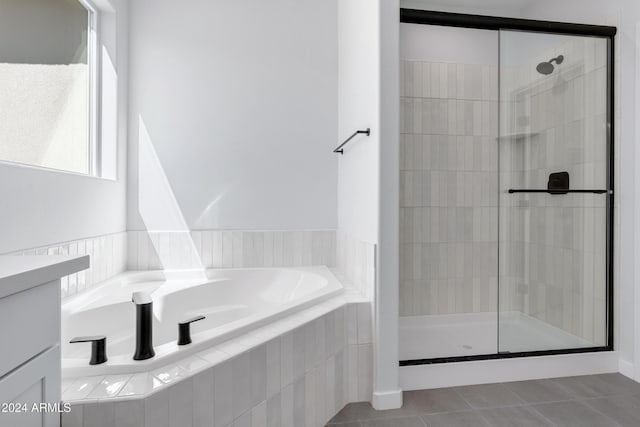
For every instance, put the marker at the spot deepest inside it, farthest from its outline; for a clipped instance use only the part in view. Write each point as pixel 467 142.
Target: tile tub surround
pixel 448 188
pixel 298 371
pixel 150 250
pixel 107 253
pixel 592 400
pixel 356 260
pixel 113 254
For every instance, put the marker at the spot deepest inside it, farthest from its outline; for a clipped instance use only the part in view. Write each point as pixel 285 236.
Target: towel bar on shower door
pixel 556 191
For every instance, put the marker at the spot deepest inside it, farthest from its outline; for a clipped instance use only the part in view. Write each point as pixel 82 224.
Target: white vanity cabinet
pixel 30 338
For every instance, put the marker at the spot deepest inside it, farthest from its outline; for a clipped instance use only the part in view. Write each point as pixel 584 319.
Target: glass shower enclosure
pixel 506 189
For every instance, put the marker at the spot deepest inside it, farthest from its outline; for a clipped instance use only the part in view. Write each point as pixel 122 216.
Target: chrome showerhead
pixel 546 68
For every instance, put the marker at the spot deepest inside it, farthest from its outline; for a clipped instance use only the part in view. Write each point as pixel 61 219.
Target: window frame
pixel 94 95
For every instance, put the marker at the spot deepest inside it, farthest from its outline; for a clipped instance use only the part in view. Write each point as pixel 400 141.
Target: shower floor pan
pixel 449 335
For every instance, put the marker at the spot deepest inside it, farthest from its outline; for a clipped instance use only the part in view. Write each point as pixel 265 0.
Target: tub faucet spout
pixel 144 326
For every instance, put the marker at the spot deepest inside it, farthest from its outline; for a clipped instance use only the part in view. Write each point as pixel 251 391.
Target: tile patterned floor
pixel 593 400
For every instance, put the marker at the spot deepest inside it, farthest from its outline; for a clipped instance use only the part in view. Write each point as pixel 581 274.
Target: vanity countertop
pixel 19 273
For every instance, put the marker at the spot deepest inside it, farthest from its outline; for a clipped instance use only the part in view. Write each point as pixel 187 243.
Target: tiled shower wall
pixel 108 257
pixel 554 248
pixel 448 188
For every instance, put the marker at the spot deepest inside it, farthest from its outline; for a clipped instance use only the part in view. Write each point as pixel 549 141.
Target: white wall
pixel 359 108
pixel 506 8
pixel 236 105
pixel 364 90
pixel 39 207
pixel 434 43
pixel 387 393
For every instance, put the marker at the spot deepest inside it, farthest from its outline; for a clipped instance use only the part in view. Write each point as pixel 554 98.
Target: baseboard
pixel 626 369
pixel 383 400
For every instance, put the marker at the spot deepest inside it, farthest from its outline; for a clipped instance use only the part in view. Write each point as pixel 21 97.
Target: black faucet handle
pixel 191 320
pixel 184 330
pixel 98 348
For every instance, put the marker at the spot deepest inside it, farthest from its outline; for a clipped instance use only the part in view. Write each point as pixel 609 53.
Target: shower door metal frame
pixel 415 16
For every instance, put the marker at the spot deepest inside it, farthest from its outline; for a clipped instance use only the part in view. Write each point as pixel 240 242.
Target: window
pixel 47 85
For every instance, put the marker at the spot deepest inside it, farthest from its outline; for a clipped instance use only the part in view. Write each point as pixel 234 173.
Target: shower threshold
pixel 475 335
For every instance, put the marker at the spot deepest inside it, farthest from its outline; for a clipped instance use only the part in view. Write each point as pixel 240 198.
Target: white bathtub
pixel 234 302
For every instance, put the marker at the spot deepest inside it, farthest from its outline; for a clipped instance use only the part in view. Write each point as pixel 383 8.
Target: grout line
pixel 482 417
pixel 527 403
pixel 532 407
pixel 405 97
pixel 521 402
pixel 457 392
pixel 598 411
pixel 571 393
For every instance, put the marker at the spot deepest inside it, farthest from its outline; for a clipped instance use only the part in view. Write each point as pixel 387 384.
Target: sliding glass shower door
pixel 506 188
pixel 554 154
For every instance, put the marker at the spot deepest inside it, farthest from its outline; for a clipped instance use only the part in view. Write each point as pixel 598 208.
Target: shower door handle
pixel 557 191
